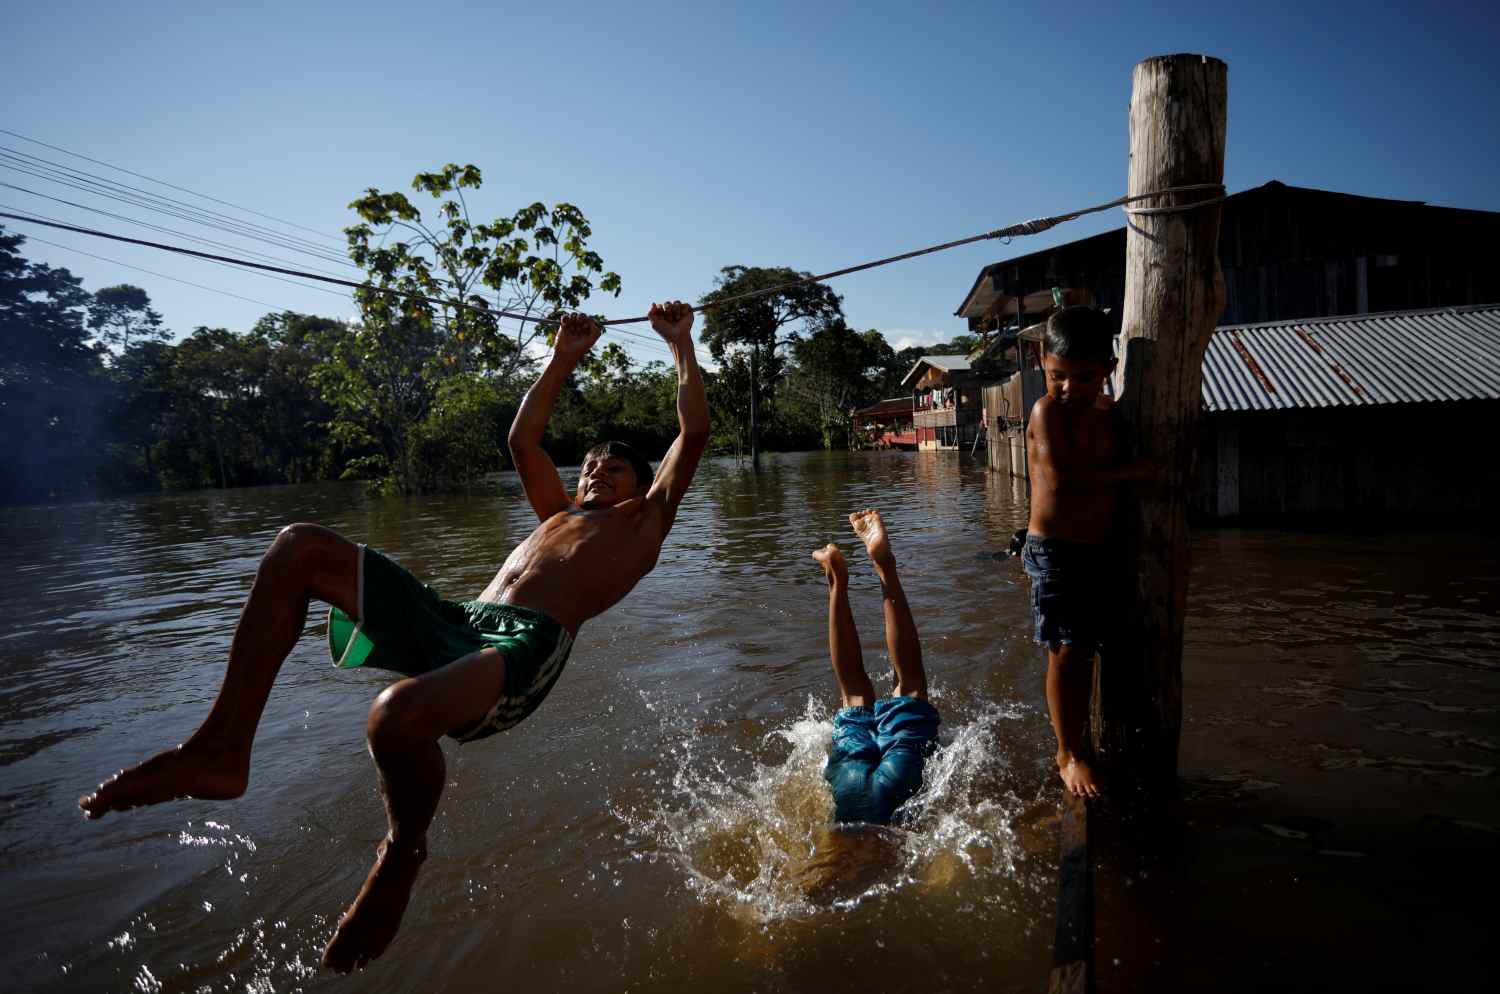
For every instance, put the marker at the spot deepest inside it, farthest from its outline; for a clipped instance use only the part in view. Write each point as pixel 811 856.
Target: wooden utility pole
pixel 1174 295
pixel 754 393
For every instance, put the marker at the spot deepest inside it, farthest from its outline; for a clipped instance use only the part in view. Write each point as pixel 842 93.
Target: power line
pixel 154 227
pixel 110 190
pixel 1031 227
pixel 41 219
pixel 165 205
pixel 172 186
pixel 272 269
pixel 643 343
pixel 150 272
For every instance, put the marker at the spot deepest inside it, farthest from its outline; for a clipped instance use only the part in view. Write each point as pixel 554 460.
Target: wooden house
pixel 1312 274
pixel 1359 416
pixel 946 402
pixel 1367 416
pixel 1287 252
pixel 886 424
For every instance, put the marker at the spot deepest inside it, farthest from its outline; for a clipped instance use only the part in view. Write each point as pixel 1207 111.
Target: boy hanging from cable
pixel 469 669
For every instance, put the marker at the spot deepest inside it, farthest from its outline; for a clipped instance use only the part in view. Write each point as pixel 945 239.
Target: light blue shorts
pixel 876 759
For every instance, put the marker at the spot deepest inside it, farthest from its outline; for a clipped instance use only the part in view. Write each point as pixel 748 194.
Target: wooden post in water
pixel 1174 295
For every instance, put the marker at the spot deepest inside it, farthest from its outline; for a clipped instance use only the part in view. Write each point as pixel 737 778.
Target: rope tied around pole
pixel 1035 226
pixel 1178 209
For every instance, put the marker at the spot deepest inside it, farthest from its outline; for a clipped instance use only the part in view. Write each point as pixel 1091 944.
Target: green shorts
pixel 405 627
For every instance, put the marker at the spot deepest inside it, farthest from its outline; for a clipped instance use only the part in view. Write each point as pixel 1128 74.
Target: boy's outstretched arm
pixel 674 322
pixel 544 488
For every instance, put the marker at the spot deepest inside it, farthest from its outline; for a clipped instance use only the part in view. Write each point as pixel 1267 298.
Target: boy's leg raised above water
pixel 843 638
pixel 304 561
pixel 900 628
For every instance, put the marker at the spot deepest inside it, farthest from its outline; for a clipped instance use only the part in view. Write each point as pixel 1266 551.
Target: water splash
pixel 751 828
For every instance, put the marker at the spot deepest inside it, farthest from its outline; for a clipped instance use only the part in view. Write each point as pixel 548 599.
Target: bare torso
pixel 578 563
pixel 1089 443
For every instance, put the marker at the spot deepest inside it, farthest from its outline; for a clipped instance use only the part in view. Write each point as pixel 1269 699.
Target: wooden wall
pixel 1348 463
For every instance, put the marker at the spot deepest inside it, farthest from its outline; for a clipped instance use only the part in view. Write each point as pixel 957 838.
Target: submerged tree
pixel 757 326
pixel 536 263
pixel 838 369
pixel 52 383
pixel 429 313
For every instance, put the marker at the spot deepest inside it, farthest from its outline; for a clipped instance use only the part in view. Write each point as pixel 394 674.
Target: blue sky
pixel 695 136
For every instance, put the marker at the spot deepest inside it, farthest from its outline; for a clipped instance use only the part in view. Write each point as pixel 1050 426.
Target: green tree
pixel 53 391
pixel 535 263
pixel 728 392
pixel 217 378
pixel 293 417
pixel 142 407
pixel 760 325
pixel 460 439
pixel 380 383
pixel 836 371
pixel 119 313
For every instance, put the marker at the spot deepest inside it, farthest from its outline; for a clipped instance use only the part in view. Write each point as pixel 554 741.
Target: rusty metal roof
pixel 1400 357
pixel 891 405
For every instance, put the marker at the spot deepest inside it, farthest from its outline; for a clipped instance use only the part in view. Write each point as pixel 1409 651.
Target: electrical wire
pixel 121 193
pixel 173 186
pixel 149 272
pixel 99 186
pixel 1031 227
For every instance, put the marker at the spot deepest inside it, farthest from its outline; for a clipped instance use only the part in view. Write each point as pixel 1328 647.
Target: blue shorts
pixel 875 761
pixel 1077 591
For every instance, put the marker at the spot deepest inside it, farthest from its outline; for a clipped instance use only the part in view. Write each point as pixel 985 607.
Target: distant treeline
pixel 95 400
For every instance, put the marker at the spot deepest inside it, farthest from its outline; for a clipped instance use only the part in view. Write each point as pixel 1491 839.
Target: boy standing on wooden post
pixel 1073 554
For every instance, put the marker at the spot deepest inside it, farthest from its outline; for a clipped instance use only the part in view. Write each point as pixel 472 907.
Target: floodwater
pixel 660 823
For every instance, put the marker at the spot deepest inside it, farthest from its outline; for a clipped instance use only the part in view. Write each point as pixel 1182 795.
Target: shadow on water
pixel 1336 817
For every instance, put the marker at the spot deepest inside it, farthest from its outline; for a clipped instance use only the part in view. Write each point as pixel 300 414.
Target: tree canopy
pixel 98 399
pixel 759 325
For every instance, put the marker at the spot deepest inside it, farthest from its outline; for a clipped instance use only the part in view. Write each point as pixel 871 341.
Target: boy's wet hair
pixel 644 474
pixel 1080 332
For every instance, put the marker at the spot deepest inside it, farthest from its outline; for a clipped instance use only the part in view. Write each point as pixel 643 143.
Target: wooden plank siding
pixel 1347 464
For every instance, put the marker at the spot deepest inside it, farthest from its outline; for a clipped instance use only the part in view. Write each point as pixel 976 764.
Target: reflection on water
pixel 661 822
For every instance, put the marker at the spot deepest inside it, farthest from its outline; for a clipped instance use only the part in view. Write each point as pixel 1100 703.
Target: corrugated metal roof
pixel 1401 357
pixel 891 405
pixel 946 363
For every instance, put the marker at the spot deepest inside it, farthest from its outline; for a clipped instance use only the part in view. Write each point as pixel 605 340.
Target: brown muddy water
pixel 659 823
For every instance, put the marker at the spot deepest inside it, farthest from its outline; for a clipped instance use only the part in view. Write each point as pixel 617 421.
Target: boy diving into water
pixel 1072 553
pixel 879 747
pixel 469 669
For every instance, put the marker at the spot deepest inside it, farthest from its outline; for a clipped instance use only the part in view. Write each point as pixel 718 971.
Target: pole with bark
pixel 1174 296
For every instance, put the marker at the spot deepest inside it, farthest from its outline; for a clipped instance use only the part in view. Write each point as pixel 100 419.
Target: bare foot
pixel 870 528
pixel 371 922
pixel 832 561
pixel 190 770
pixel 1077 775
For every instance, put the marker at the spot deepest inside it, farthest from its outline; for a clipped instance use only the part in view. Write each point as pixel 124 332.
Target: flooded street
pixel 660 823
